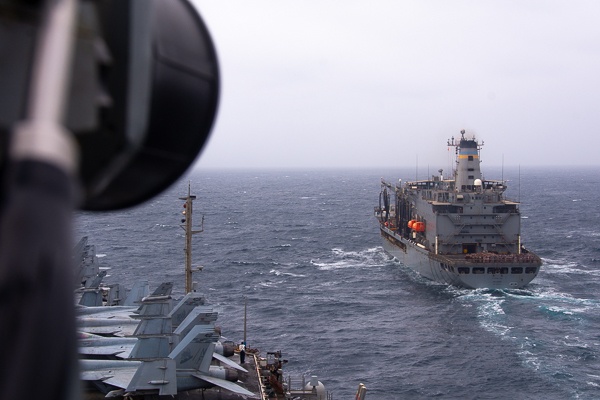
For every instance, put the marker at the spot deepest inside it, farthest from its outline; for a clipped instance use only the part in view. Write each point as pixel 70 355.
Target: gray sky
pixel 332 83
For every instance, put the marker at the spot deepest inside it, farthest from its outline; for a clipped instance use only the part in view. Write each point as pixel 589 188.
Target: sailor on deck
pixel 242 353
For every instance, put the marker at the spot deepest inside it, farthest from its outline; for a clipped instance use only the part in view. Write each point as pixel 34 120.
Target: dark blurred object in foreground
pixel 143 96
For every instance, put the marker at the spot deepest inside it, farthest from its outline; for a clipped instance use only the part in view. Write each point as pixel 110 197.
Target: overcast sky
pixel 382 83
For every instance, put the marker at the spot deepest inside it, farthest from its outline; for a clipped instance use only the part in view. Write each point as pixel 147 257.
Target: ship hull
pixel 457 270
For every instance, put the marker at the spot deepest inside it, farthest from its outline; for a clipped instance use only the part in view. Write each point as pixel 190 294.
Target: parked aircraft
pixel 187 367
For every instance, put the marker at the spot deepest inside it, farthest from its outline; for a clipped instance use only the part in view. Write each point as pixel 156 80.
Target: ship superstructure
pixel 460 231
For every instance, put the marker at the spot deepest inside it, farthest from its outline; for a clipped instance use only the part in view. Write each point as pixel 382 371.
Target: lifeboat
pixel 419 227
pixel 411 223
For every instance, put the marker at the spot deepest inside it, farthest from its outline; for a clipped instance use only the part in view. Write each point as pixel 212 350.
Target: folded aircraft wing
pixel 121 379
pixel 132 376
pixel 233 387
pixel 117 374
pixel 228 362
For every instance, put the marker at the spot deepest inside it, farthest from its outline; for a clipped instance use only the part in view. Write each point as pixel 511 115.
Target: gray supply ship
pixel 460 231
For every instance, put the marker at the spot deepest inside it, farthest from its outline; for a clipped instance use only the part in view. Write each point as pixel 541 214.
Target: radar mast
pixel 187 212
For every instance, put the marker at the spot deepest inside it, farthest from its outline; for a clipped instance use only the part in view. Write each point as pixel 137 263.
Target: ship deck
pixel 251 380
pixel 487 258
pixel 248 380
pixel 258 380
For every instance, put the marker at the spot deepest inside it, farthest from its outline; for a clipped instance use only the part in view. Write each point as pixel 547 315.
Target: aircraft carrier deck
pixel 265 379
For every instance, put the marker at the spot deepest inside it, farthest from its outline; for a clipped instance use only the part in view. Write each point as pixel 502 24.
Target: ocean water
pixel 302 249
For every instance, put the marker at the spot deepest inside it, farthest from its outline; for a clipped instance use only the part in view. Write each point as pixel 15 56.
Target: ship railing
pixel 501 258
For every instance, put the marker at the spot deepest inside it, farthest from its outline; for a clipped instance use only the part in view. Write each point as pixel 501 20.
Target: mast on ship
pixel 187 227
pixel 467 170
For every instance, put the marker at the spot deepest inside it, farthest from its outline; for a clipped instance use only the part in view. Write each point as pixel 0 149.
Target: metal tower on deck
pixel 187 227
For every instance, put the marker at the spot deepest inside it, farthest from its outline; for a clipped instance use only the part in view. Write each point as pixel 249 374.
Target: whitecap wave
pixel 563 267
pixel 340 259
pixel 281 273
pixel 490 313
pixel 529 359
pixel 271 282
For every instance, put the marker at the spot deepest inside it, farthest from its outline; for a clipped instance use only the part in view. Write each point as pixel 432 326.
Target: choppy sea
pixel 302 248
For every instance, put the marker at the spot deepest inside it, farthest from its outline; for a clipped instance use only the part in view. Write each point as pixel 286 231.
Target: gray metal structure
pixel 460 231
pixel 160 360
pixel 90 275
pixel 187 366
pixel 102 330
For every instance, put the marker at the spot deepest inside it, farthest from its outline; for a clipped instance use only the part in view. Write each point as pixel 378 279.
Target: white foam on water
pixel 564 267
pixel 491 315
pixel 281 273
pixel 339 259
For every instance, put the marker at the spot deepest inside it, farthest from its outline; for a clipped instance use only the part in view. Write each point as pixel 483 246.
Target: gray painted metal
pixel 158 371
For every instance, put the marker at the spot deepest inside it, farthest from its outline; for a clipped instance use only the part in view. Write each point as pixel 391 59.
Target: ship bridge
pixel 467 162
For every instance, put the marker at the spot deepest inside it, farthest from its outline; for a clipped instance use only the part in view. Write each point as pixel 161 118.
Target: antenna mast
pixel 245 318
pixel 519 198
pixel 187 227
pixel 417 169
pixel 503 168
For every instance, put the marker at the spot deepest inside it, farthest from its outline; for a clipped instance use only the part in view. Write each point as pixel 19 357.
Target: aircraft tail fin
pixel 150 347
pixel 158 375
pixel 196 349
pixel 154 332
pixel 96 280
pixel 200 315
pixel 92 295
pixel 164 289
pixel 184 307
pixel 154 308
pixel 139 290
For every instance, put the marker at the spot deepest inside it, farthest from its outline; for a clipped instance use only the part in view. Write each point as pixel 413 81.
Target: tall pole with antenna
pixel 187 227
pixel 519 197
pixel 417 169
pixel 245 318
pixel 503 168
